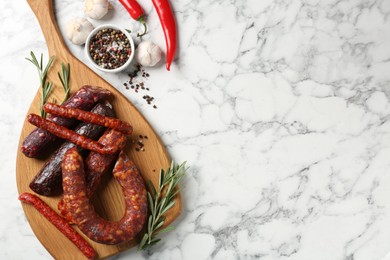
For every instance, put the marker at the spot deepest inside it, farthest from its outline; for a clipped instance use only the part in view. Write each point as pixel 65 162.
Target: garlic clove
pixel 77 27
pixel 147 59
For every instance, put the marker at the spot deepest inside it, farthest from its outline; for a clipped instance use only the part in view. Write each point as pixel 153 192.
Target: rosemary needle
pixel 64 78
pixel 42 72
pixel 160 201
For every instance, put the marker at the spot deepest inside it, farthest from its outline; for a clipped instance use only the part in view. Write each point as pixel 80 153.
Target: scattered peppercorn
pixel 140 145
pixel 137 84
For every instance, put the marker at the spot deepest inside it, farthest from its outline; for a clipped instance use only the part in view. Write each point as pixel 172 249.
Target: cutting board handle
pixel 44 11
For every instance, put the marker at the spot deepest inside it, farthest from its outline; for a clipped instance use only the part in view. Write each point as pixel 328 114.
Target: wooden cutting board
pixel 109 201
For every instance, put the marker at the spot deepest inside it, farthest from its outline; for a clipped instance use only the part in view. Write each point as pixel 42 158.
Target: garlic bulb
pixel 147 54
pixel 78 29
pixel 96 9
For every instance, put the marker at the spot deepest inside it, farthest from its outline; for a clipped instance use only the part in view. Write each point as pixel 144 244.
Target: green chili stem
pixel 142 20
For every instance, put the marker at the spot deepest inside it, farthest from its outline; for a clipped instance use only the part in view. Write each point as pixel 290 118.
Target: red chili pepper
pixel 168 24
pixel 60 223
pixel 136 12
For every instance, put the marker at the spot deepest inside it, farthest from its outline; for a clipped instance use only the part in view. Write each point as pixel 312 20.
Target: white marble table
pixel 281 108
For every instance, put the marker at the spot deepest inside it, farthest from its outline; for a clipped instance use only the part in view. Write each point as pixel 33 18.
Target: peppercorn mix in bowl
pixel 109 48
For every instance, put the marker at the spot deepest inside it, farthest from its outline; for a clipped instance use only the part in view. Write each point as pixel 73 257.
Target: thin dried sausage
pixel 88 117
pixel 71 136
pixel 48 179
pixel 85 98
pixel 59 223
pixel 83 214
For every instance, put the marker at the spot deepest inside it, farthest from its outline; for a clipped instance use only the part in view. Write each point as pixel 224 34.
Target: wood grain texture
pixel 109 201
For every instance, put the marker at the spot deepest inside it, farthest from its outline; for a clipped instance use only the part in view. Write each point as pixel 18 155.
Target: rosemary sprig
pixel 45 86
pixel 160 202
pixel 64 78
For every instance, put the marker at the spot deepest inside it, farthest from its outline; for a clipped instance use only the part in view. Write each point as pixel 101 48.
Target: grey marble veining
pixel 281 108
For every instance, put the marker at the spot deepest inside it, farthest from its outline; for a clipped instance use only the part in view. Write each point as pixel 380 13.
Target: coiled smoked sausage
pixel 96 165
pixel 83 214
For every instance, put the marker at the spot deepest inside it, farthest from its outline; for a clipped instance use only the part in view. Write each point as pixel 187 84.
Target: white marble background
pixel 281 108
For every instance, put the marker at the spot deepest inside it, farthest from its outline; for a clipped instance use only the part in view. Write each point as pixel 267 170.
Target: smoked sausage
pixel 65 133
pixel 83 214
pixel 48 179
pixel 96 165
pixel 59 223
pixel 85 98
pixel 88 117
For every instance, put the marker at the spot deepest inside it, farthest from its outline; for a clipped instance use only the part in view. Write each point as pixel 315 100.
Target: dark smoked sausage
pixel 48 179
pixel 85 98
pixel 89 117
pixel 65 133
pixel 83 214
